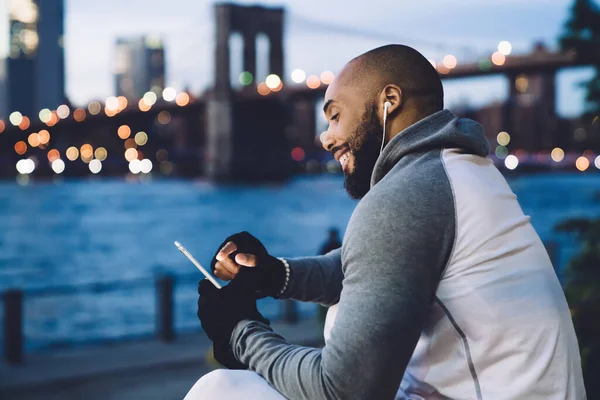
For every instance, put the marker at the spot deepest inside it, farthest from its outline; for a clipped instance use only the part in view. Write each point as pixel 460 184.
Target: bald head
pixel 398 65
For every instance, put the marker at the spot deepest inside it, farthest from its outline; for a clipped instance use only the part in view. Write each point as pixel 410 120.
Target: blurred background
pixel 125 126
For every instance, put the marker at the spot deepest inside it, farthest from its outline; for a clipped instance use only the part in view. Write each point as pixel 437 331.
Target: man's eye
pixel 335 117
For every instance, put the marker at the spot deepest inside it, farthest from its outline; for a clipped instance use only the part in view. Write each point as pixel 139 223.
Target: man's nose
pixel 327 140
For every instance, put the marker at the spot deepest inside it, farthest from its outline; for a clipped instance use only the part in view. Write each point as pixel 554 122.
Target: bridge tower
pixel 246 133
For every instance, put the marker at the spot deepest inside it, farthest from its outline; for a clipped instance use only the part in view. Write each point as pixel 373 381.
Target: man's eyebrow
pixel 327 104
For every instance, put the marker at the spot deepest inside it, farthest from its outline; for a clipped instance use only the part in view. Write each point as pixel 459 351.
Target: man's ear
pixel 393 95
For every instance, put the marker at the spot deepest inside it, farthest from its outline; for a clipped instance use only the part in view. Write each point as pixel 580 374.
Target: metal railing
pixel 164 288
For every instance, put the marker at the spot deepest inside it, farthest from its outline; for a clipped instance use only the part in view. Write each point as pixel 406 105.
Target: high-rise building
pixel 139 66
pixel 33 51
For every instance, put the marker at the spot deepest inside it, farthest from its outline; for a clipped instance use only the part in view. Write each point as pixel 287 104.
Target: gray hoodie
pixel 443 289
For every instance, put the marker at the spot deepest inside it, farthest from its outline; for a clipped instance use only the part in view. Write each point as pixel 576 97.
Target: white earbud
pixel 386 105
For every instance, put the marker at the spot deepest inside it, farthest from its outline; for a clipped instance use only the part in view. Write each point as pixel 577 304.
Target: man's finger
pixel 247 260
pixel 222 273
pixel 229 265
pixel 229 248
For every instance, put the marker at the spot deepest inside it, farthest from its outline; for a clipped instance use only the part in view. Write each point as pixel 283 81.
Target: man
pixel 443 289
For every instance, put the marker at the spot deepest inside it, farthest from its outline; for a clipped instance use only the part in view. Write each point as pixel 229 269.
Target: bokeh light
pixel 503 139
pixel 245 78
pixel 164 117
pixel 53 155
pixel 86 151
pixel 297 154
pixel 145 166
pixel 112 103
pixel 141 138
pixel 169 94
pixel 597 162
pixel 166 167
pixel 557 154
pixel 124 132
pixel 72 153
pixel 501 152
pixel 58 166
pixel 162 155
pixel 2 126
pixel 20 147
pixel 263 89
pixel 44 115
pixel 298 75
pixel 95 166
pixel 15 118
pixel 485 65
pixel 582 163
pixel 24 123
pixel 122 103
pixel 101 153
pixel 313 82
pixel 498 58
pixel 94 107
pixel 26 166
pixel 522 83
pixel 130 144
pixel 272 81
pixel 33 140
pixel 450 61
pixel 131 154
pixel 511 162
pixel 504 48
pixel 135 166
pixel 63 111
pixel 327 77
pixel 149 98
pixel 143 106
pixel 79 115
pixel 182 99
pixel 44 136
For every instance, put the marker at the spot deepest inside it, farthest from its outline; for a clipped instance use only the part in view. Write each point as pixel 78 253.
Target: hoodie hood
pixel 437 131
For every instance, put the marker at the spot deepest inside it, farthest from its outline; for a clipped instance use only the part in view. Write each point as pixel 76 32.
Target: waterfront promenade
pixel 142 369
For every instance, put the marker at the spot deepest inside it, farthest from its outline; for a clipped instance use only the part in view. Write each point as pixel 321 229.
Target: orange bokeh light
pixel 498 58
pixel 143 106
pixel 122 102
pixel 124 132
pixel 53 155
pixel 182 99
pixel 20 147
pixel 86 151
pixel 25 122
pixel 79 115
pixel 313 82
pixel 33 140
pixel 44 136
pixel 263 89
pixel 130 143
pixel 2 126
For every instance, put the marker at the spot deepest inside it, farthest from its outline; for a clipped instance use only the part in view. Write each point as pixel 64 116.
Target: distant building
pixel 139 66
pixel 31 32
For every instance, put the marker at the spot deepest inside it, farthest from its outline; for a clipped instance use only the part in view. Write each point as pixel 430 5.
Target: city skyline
pixel 187 29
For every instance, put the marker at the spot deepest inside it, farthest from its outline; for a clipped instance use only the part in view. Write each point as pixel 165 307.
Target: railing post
pixel 165 329
pixel 290 311
pixel 12 301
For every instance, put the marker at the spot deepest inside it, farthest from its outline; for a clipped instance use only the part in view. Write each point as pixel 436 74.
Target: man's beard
pixel 365 144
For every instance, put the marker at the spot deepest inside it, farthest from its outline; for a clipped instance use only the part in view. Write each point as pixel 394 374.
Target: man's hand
pixel 245 258
pixel 219 311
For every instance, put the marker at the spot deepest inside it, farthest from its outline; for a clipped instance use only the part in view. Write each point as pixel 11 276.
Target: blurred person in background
pixel 442 288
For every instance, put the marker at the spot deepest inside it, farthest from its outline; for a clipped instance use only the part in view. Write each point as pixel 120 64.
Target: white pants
pixel 225 384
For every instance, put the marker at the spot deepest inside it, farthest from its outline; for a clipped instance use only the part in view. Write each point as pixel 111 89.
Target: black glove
pixel 267 277
pixel 219 311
